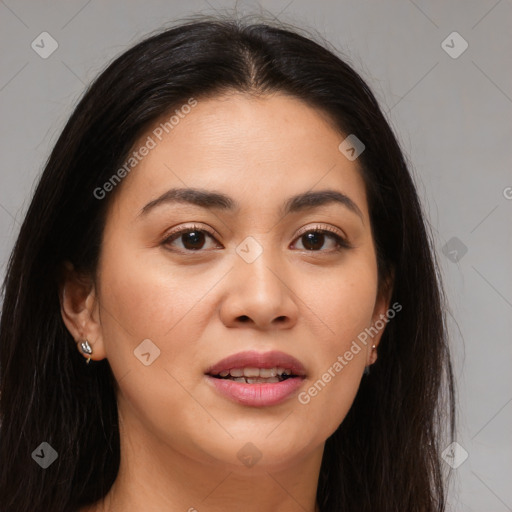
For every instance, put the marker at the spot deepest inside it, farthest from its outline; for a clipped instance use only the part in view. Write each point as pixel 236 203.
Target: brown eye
pixel 314 240
pixel 189 239
pixel 193 240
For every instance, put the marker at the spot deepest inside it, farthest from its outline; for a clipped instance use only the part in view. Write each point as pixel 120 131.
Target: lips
pixel 257 379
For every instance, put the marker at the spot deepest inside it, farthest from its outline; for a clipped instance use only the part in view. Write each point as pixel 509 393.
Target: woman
pixel 224 241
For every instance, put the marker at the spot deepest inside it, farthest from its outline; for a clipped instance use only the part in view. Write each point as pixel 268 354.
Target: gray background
pixel 452 116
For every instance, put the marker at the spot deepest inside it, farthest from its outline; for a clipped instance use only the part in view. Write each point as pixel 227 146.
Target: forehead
pixel 256 149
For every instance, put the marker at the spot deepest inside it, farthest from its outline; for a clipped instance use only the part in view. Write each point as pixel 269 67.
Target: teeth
pixel 253 375
pixel 252 372
pixel 255 381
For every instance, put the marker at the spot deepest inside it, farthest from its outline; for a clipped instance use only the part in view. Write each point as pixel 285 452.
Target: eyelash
pixel 341 242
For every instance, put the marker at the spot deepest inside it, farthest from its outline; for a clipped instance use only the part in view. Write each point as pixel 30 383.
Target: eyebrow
pixel 218 201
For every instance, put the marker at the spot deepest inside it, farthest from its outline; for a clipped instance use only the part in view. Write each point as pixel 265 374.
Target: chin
pixel 257 451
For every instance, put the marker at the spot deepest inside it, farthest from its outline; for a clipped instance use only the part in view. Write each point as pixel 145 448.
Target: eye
pixel 192 238
pixel 313 239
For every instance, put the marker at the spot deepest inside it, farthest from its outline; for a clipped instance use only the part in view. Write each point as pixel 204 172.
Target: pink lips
pixel 259 394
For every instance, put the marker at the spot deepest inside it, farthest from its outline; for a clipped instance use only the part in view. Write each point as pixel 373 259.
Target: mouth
pixel 252 367
pixel 257 379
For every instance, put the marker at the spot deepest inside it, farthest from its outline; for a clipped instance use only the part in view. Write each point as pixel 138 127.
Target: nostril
pixel 244 318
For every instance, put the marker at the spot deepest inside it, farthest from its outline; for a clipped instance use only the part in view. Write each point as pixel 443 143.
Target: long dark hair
pixel 385 456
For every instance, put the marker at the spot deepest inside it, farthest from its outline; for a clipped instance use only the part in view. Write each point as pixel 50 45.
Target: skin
pixel 179 437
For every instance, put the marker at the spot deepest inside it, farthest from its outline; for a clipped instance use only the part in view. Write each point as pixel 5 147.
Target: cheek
pixel 143 298
pixel 345 306
pixel 141 301
pixel 146 296
pixel 342 298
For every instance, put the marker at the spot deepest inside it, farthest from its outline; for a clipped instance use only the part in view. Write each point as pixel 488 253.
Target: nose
pixel 260 295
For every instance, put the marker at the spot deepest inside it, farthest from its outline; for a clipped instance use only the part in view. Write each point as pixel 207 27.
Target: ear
pixel 380 316
pixel 80 310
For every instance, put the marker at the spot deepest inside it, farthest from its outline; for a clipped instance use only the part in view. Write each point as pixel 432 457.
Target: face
pixel 187 280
